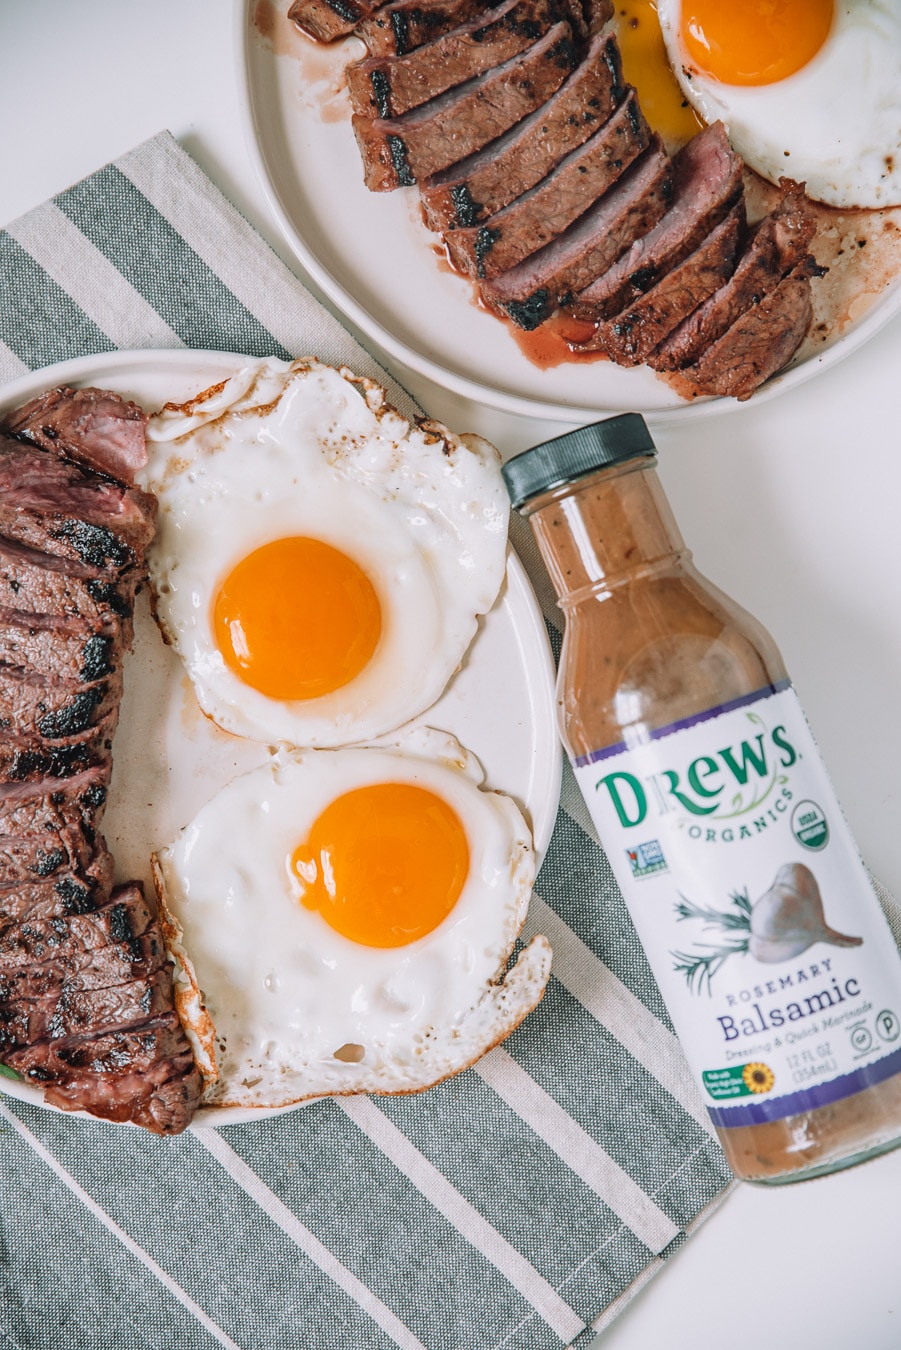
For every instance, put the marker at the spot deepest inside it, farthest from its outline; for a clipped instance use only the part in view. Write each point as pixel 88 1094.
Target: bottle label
pixel 746 888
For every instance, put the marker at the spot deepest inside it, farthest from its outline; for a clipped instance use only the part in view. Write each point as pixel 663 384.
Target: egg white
pixel 269 991
pixel 301 449
pixel 835 125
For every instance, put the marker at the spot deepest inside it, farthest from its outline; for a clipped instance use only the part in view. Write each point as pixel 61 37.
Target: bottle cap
pixel 575 454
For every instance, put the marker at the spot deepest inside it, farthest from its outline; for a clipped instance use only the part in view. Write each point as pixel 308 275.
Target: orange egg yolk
pixel 645 65
pixel 297 619
pixel 753 42
pixel 384 864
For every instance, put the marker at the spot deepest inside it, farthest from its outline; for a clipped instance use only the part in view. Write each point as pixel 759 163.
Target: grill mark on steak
pixel 399 151
pixel 545 211
pixel 389 86
pixel 398 28
pixel 484 183
pixel 86 999
pixel 630 337
pixel 530 292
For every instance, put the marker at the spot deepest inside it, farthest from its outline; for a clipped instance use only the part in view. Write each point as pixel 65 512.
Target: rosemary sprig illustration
pixel 717 918
pixel 701 964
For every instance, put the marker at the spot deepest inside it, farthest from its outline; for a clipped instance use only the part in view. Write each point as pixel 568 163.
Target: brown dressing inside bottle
pixel 649 645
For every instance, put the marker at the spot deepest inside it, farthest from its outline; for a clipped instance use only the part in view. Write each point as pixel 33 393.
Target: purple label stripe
pixel 759 1113
pixel 766 692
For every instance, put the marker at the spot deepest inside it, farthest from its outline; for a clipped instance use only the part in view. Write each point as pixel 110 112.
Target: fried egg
pixel 343 919
pixel 807 89
pixel 320 563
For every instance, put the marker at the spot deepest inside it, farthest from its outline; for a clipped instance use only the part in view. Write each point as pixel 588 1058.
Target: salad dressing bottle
pixel 701 775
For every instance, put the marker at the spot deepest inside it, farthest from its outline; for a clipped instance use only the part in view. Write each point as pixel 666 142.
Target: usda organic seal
pixel 809 825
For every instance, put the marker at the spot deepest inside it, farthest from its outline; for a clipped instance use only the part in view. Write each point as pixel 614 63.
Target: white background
pixel 790 506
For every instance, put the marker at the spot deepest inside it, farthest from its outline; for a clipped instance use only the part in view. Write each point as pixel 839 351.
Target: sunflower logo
pixel 758 1077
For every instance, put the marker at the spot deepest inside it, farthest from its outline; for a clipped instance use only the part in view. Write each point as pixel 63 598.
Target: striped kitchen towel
pixel 518 1205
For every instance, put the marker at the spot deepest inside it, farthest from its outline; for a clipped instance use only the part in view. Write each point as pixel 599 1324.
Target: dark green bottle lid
pixel 575 454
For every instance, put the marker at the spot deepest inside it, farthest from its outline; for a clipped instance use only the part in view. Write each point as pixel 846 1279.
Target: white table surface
pixel 791 506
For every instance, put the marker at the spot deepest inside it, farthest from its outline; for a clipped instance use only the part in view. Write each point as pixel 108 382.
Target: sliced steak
pixel 327 20
pixel 707 182
pixel 144 1074
pixel 530 292
pixel 78 1012
pixel 72 595
pixel 630 337
pixel 486 182
pixel 778 244
pixel 121 921
pixel 56 507
pixel 399 151
pixel 597 14
pixel 49 857
pixel 404 25
pixel 36 808
pixel 758 344
pixel 23 760
pixel 49 710
pixel 388 86
pixel 37 643
pixel 546 210
pixel 92 426
pixel 98 968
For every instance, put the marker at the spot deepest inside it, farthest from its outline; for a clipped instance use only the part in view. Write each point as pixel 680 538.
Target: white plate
pixel 169 759
pixel 373 257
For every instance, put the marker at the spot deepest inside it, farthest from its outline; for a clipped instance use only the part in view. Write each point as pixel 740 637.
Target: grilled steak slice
pixel 39 707
pixel 114 964
pixel 92 426
pixel 597 13
pixel 145 1074
pixel 388 86
pixel 778 244
pixel 404 25
pixel 79 888
pixel 78 1012
pixel 486 182
pixel 29 808
pixel 707 182
pixel 544 212
pixel 53 855
pixel 399 151
pixel 630 338
pixel 32 583
pixel 330 19
pixel 58 508
pixel 530 292
pixel 36 642
pixel 25 760
pixel 758 344
pixel 124 919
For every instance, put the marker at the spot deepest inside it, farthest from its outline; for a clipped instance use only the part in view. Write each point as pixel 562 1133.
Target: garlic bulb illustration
pixel 789 918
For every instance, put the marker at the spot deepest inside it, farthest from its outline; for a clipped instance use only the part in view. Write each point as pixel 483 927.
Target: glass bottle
pixel 697 765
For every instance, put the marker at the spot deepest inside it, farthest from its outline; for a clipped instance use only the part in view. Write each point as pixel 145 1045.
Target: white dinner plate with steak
pixel 372 254
pixel 169 759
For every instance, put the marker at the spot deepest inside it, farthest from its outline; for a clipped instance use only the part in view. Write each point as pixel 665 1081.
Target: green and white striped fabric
pixel 516 1206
